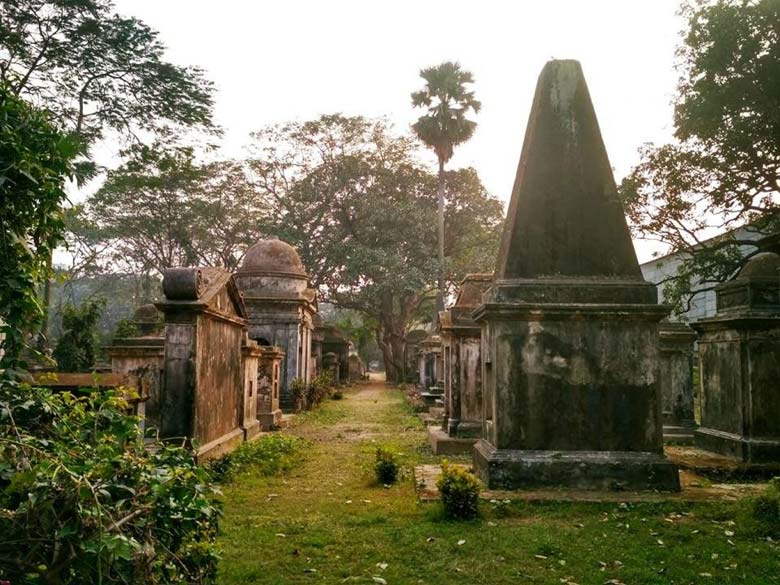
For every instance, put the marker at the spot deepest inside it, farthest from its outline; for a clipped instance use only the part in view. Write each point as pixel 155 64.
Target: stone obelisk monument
pixel 569 327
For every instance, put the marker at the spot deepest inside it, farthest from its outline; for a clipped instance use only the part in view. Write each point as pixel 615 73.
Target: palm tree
pixel 444 126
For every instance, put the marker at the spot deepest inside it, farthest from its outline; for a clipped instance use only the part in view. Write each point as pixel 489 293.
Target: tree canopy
pixel 163 208
pixel 96 70
pixel 723 169
pixel 448 101
pixel 36 162
pixel 353 198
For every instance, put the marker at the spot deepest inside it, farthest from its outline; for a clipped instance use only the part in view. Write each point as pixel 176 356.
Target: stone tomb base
pixel 270 420
pixel 597 470
pixel 681 434
pixel 748 449
pixel 444 444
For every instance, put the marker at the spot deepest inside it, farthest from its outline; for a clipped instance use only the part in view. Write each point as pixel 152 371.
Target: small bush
pixel 318 388
pixel 459 491
pixel 125 328
pixel 386 466
pixel 766 507
pixel 299 392
pixel 267 455
pixel 337 395
pixel 77 348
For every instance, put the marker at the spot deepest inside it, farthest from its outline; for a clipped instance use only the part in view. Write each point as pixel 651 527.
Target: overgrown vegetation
pixel 268 455
pixel 459 491
pixel 37 160
pixel 386 465
pixel 77 348
pixel 308 396
pixel 766 508
pixel 82 498
pixel 85 500
pixel 722 170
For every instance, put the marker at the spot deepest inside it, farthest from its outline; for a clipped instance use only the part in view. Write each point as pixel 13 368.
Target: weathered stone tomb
pixel 569 327
pixel 739 349
pixel 207 391
pixel 141 357
pixel 462 369
pixel 675 377
pixel 280 307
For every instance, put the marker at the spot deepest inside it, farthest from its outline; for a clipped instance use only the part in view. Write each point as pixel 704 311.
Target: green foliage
pixel 299 390
pixel 723 170
pixel 36 162
pixel 97 71
pixel 766 508
pixel 354 200
pixel 125 328
pixel 448 101
pixel 86 500
pixel 268 455
pixel 163 209
pixel 386 465
pixel 77 347
pixel 459 491
pixel 319 388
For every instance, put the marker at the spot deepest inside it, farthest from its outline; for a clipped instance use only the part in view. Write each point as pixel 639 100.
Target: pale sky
pixel 296 59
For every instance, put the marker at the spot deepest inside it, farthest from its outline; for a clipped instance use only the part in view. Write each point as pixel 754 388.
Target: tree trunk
pixel 43 336
pixel 440 290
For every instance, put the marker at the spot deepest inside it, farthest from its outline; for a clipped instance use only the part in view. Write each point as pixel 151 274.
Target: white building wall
pixel 703 303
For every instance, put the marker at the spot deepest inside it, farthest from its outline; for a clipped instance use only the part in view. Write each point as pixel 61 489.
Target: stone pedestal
pixel 675 377
pixel 269 414
pixel 739 351
pixel 569 328
pixel 251 353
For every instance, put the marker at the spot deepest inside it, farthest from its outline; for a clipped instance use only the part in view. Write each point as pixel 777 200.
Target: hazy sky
pixel 295 59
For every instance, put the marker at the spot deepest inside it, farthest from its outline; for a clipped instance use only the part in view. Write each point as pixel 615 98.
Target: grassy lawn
pixel 326 521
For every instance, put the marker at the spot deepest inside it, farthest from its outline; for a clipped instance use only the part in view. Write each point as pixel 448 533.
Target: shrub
pixel 766 507
pixel 299 392
pixel 125 328
pixel 85 500
pixel 77 348
pixel 386 465
pixel 267 455
pixel 337 395
pixel 459 491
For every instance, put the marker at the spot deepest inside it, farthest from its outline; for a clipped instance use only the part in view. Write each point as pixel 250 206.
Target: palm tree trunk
pixel 440 291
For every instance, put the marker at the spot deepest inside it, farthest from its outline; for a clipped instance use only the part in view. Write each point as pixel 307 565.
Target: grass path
pixel 326 521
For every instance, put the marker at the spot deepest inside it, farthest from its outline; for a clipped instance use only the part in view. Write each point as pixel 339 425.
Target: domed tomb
pixel 280 306
pixel 273 256
pixel 756 287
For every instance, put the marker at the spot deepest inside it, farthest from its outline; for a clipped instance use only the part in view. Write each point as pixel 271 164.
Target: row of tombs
pixel 224 355
pixel 561 368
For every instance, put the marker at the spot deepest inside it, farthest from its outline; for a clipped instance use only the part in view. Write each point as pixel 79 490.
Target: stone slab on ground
pixel 678 435
pixel 716 465
pixel 694 488
pixel 443 444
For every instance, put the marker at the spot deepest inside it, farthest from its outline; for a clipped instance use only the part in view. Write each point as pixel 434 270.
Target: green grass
pixel 326 520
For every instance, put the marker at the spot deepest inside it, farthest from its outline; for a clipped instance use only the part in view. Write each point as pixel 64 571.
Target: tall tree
pixel 723 169
pixel 97 71
pixel 448 101
pixel 353 198
pixel 36 162
pixel 163 209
